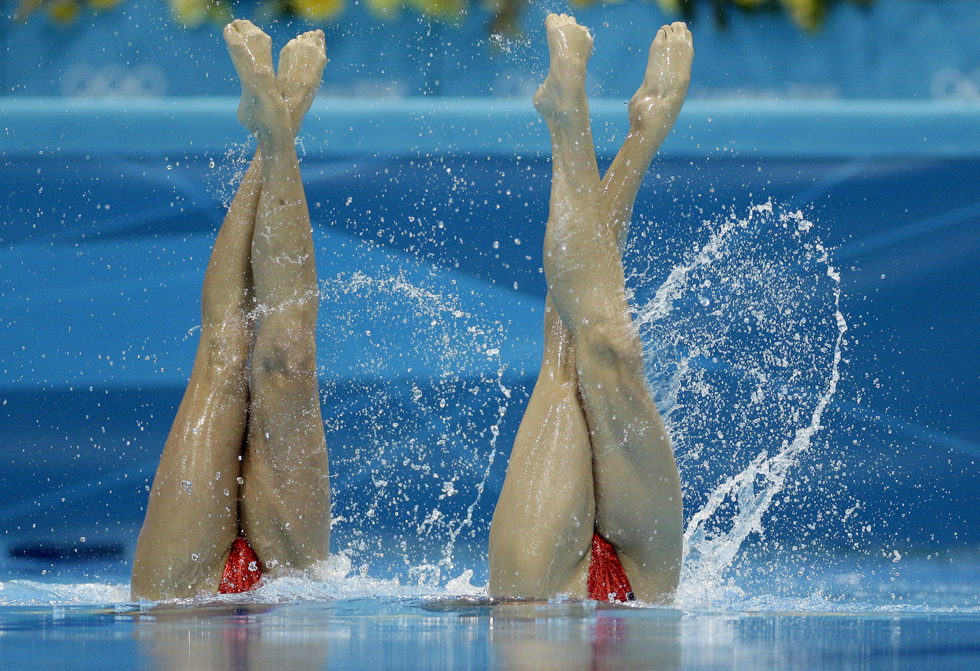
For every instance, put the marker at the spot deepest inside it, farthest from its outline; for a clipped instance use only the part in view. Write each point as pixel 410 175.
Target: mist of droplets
pixel 423 414
pixel 744 343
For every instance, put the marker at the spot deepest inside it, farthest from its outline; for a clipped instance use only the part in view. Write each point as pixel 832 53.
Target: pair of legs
pixel 246 456
pixel 592 454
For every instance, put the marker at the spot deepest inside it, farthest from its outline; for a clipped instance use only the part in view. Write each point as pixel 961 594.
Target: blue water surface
pixel 303 625
pixel 429 260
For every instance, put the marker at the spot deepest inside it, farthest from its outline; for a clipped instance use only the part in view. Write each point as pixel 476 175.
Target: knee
pixel 226 345
pixel 609 343
pixel 284 357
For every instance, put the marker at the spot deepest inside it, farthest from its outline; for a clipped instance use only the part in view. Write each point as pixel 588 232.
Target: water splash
pixel 335 578
pixel 422 404
pixel 225 174
pixel 745 339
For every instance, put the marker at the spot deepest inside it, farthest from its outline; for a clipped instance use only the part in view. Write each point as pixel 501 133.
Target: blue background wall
pixel 897 49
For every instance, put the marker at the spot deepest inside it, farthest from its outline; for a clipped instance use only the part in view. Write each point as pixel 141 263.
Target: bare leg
pixel 192 516
pixel 285 498
pixel 653 111
pixel 193 513
pixel 638 502
pixel 635 484
pixel 541 534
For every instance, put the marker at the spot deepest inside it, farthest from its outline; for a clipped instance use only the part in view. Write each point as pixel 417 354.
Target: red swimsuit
pixel 242 570
pixel 607 577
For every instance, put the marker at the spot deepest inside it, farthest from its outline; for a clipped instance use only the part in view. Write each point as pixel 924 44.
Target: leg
pixel 204 451
pixel 653 111
pixel 541 534
pixel 192 515
pixel 285 498
pixel 637 488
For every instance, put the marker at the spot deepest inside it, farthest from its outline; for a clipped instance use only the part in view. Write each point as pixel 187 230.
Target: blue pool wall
pixel 889 50
pixel 112 206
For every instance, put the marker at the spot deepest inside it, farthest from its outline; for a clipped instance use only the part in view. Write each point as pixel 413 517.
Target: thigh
pixel 285 495
pixel 192 515
pixel 541 534
pixel 637 488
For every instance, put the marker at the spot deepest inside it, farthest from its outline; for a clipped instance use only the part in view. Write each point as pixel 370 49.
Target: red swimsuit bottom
pixel 242 570
pixel 607 577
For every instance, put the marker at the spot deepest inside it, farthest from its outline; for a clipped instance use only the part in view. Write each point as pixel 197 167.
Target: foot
pixel 262 109
pixel 659 99
pixel 301 64
pixel 570 46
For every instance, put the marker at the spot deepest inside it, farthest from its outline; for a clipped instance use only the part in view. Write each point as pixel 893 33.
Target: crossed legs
pixel 592 454
pixel 246 455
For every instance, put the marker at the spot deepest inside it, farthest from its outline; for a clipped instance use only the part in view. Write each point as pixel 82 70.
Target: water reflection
pixel 232 637
pixel 585 636
pixel 391 632
pixel 408 634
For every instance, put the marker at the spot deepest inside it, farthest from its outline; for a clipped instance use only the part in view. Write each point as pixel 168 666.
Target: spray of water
pixel 745 339
pixel 422 410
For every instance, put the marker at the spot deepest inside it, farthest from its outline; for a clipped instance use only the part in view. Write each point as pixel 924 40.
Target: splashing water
pixel 744 341
pixel 414 394
pixel 334 578
pixel 423 405
pixel 225 174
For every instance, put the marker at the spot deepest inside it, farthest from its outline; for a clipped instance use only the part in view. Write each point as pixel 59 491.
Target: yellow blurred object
pixel 507 14
pixel 192 13
pixel 387 9
pixel 63 11
pixel 444 9
pixel 317 10
pixel 670 6
pixel 100 5
pixel 807 14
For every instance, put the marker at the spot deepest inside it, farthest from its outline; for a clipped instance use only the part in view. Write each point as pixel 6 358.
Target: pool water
pixel 830 480
pixel 443 632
